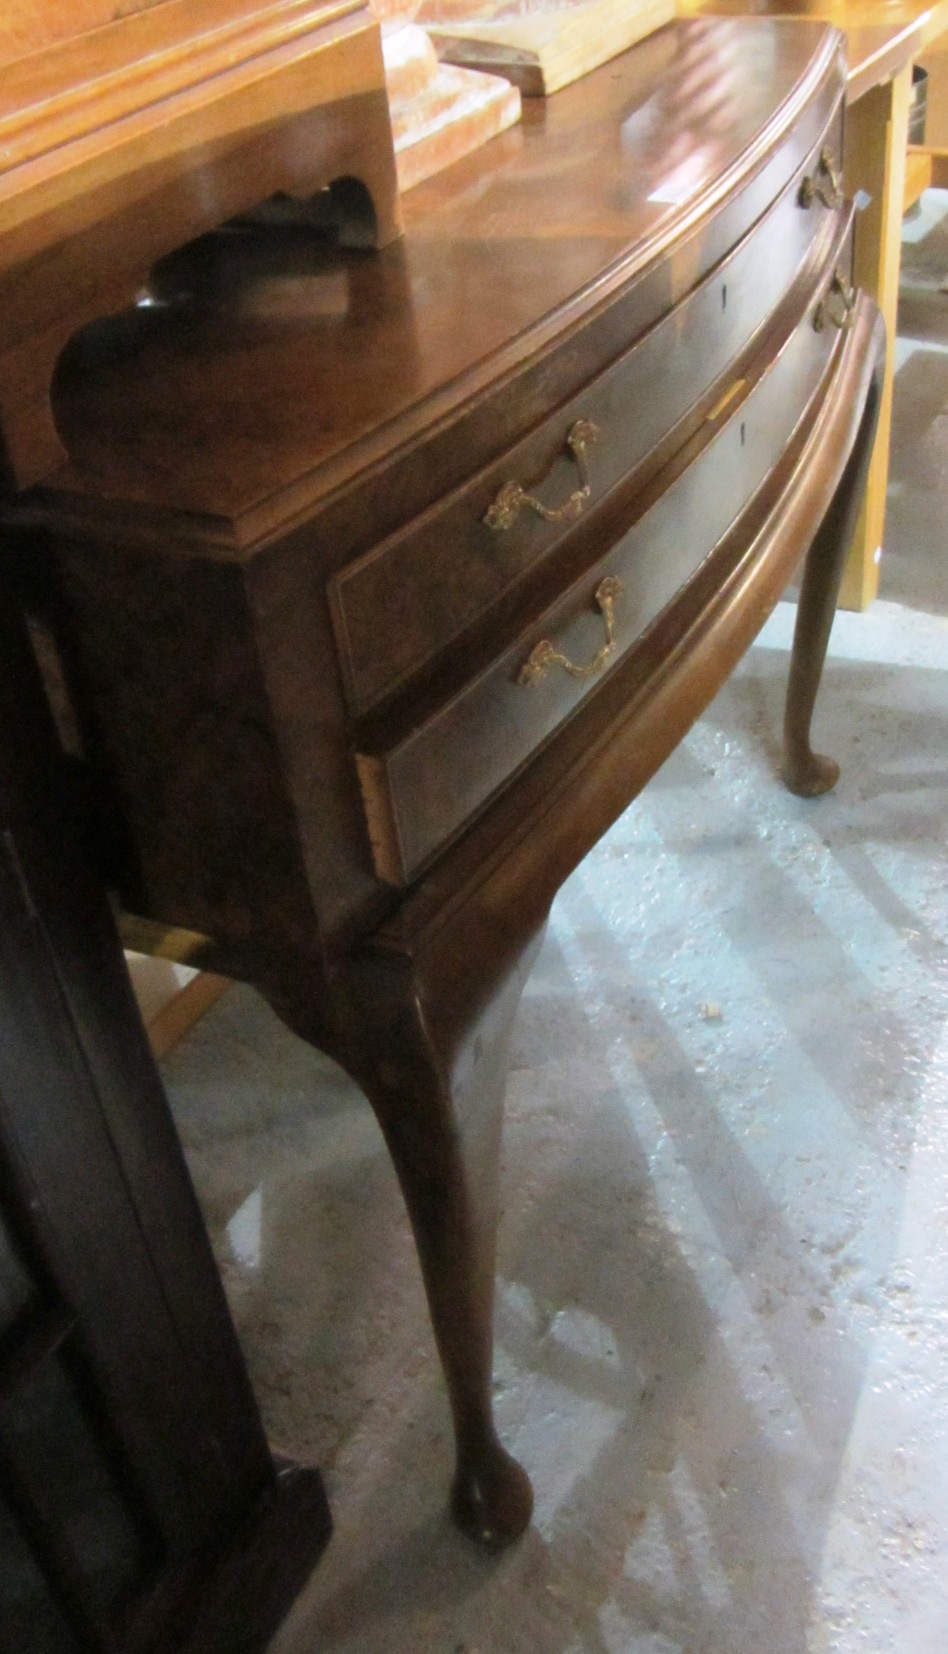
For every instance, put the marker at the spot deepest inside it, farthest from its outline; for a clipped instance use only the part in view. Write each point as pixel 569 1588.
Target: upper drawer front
pixel 406 600
pixel 423 790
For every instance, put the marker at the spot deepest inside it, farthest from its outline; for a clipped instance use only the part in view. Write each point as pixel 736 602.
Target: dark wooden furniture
pixel 384 582
pixel 140 1508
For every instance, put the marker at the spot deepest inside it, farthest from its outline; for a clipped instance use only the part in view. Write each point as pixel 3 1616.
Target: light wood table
pixel 127 132
pixel 882 42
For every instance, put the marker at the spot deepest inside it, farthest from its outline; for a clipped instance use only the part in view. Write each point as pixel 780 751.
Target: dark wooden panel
pixel 17 1287
pixel 119 1364
pixel 31 1621
pixel 168 647
pixel 90 1501
pixel 94 1178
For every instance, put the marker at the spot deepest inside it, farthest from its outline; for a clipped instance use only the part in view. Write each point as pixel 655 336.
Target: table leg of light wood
pixel 876 135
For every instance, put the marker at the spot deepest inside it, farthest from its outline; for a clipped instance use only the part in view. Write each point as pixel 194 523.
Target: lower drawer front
pixel 421 792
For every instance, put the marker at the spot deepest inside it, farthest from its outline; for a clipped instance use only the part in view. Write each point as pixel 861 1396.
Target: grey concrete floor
pixel 722 1319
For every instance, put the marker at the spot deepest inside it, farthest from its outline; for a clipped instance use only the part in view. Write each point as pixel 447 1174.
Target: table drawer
pixel 402 603
pixel 424 788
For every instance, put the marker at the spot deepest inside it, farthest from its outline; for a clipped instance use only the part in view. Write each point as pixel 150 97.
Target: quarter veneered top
pixel 276 371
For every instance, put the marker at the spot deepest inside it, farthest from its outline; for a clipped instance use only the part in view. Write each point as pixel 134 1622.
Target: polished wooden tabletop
pixel 283 365
pixel 881 35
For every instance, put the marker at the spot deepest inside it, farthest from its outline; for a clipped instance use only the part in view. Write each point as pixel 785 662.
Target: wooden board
pixel 30 25
pixel 171 998
pixel 439 112
pixel 133 138
pixel 540 45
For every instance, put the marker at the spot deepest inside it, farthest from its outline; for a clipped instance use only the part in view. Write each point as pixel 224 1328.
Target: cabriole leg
pixel 432 1060
pixel 806 772
pixel 438 1094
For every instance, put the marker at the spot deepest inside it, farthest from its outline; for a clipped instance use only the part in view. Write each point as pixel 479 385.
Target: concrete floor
pixel 722 1314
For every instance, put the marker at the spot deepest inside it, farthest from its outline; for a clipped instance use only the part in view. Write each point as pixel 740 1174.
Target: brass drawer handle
pixel 546 654
pixel 813 189
pixel 839 305
pixel 512 498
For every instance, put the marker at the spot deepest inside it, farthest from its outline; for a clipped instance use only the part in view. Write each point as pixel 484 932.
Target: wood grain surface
pixel 266 560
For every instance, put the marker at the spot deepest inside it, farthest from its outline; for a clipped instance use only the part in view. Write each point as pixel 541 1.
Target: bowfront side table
pixel 382 582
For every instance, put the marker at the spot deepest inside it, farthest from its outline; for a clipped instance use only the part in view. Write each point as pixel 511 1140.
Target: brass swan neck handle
pixel 546 655
pixel 513 498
